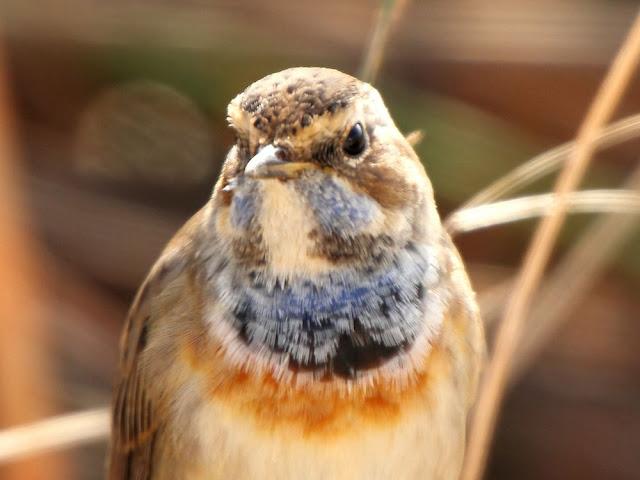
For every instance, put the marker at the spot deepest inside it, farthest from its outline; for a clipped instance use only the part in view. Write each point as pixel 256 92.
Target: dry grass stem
pixel 496 376
pixel 522 208
pixel 621 131
pixel 54 434
pixel 388 14
pixel 580 269
pixel 415 137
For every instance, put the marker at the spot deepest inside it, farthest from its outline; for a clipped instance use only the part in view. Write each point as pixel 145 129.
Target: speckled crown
pixel 291 99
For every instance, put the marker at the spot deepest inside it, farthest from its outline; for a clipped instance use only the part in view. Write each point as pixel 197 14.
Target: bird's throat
pixel 340 324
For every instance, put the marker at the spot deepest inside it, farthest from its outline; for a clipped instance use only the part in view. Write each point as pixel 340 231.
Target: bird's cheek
pixel 337 208
pixel 244 207
pixel 353 216
pixel 243 211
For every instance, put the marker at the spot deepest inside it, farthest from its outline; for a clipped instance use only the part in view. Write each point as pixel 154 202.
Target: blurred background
pixel 112 132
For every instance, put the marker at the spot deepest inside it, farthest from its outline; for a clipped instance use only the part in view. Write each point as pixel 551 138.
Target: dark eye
pixel 356 141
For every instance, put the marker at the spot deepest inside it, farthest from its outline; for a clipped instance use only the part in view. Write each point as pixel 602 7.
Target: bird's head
pixel 320 177
pixel 327 254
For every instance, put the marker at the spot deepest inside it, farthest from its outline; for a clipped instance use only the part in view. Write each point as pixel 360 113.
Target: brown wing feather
pixel 133 421
pixel 136 421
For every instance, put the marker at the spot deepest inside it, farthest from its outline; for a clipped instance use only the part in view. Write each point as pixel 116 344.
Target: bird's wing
pixel 136 411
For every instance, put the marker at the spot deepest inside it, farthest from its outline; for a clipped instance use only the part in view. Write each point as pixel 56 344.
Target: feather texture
pixel 313 320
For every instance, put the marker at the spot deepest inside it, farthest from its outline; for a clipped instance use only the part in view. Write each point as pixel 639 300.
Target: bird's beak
pixel 270 162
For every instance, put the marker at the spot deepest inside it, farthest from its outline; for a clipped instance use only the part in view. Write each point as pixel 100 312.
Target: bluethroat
pixel 313 320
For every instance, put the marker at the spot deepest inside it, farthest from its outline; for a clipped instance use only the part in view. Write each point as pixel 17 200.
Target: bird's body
pixel 313 320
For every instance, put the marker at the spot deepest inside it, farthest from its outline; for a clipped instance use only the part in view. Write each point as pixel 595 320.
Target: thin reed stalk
pixel 523 208
pixel 580 268
pixel 54 433
pixel 619 132
pixel 389 13
pixel 508 336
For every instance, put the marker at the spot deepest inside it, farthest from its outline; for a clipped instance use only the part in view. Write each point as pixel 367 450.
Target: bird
pixel 314 319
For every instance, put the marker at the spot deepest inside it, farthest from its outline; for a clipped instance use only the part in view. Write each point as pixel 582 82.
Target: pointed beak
pixel 270 162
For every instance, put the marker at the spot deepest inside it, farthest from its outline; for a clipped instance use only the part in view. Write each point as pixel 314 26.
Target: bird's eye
pixel 356 141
